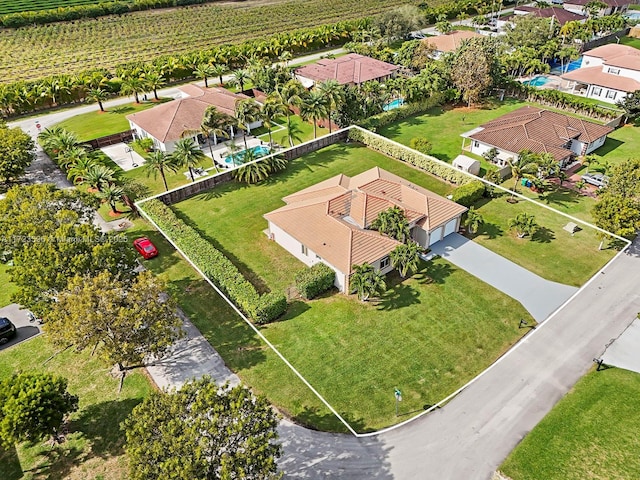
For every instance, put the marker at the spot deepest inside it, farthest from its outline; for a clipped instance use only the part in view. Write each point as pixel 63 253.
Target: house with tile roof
pixel 351 69
pixel 609 73
pixel 448 42
pixel 329 221
pixel 539 131
pixel 611 6
pixel 167 123
pixel 559 15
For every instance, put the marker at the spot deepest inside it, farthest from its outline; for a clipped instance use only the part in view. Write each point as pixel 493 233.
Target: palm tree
pixel 523 224
pixel 132 85
pixel 524 166
pixel 70 156
pixel 473 221
pixel 79 168
pixel 272 109
pixel 187 154
pixel 158 162
pixel 366 282
pixel 313 107
pixel 217 70
pixel 98 95
pixel 406 258
pixel 204 71
pixel 98 177
pixel 154 80
pixel 291 95
pixel 294 132
pixel 111 194
pixel 240 77
pixel 393 223
pixel 57 139
pixel 247 112
pixel 251 171
pixel 333 93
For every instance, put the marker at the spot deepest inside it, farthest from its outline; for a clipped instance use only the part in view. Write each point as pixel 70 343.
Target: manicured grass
pixel 631 41
pixel 621 144
pixel 8 287
pixel 427 335
pixel 88 126
pixel 592 433
pixel 94 446
pixel 551 252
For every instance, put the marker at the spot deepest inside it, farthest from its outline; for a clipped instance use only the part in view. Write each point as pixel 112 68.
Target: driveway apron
pixel 539 296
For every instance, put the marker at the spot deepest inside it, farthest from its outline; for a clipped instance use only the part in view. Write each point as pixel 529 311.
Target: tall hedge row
pixel 216 266
pixel 400 152
pixel 469 193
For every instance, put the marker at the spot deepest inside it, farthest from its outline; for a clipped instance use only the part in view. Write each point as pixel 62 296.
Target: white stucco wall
pixel 594 145
pixel 479 148
pixel 622 72
pixel 605 94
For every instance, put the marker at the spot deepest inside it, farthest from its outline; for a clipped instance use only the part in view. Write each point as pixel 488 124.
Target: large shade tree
pixel 203 431
pixel 17 151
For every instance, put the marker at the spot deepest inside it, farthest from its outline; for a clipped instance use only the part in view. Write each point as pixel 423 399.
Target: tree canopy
pixel 32 406
pixel 631 105
pixel 202 431
pixel 17 151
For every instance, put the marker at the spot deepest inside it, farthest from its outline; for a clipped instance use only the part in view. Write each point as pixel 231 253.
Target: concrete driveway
pixel 539 296
pixel 18 316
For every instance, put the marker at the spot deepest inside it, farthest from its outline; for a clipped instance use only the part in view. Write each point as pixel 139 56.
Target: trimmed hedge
pixel 314 280
pixel 405 111
pixel 469 193
pixel 400 152
pixel 217 267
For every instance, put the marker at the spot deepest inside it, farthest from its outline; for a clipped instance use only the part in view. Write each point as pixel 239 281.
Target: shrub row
pixel 405 111
pixel 469 193
pixel 217 267
pixel 65 14
pixel 400 152
pixel 314 280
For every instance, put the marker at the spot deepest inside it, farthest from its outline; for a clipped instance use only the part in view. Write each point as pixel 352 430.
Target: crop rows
pixel 15 6
pixel 39 51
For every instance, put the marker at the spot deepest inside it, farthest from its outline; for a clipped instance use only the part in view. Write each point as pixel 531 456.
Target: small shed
pixel 467 164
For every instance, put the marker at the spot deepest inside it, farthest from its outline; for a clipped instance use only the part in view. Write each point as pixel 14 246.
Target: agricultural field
pixel 40 51
pixel 17 6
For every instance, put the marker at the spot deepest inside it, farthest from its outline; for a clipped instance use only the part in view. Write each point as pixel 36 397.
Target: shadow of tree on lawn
pixel 399 296
pixel 543 235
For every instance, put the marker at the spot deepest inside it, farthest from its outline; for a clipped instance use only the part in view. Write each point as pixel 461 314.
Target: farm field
pixel 143 36
pixel 17 6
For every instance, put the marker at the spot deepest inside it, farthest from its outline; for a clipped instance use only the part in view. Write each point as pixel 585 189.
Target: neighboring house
pixel 449 42
pixel 168 122
pixel 328 221
pixel 612 6
pixel 351 69
pixel 607 73
pixel 539 131
pixel 558 15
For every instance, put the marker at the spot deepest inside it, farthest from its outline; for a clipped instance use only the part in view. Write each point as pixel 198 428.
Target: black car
pixel 7 330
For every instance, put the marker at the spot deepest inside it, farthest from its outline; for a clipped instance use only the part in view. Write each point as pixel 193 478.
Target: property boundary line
pixel 466 385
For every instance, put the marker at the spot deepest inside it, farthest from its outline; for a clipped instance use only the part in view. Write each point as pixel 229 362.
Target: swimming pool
pixel 397 103
pixel 238 158
pixel 556 68
pixel 536 81
pixel 632 15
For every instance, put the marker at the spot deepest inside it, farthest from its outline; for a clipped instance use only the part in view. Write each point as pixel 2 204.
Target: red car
pixel 144 246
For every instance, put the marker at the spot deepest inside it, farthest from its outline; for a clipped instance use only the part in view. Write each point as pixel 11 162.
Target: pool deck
pixel 221 150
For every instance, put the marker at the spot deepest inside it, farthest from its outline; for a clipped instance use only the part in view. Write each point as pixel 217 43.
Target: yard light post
pixel 398 394
pixel 129 150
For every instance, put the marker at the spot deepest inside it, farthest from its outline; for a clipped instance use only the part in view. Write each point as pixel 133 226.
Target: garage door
pixel 450 227
pixel 435 236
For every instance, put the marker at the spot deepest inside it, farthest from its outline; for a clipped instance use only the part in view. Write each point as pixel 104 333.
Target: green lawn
pixel 88 126
pixel 621 144
pixel 631 41
pixel 8 287
pixel 94 446
pixel 427 335
pixel 592 433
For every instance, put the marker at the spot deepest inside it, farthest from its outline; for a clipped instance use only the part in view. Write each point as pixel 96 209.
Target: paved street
pixel 24 328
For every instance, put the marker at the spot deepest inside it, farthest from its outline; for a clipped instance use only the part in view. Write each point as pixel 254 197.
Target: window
pixel 611 94
pixel 304 250
pixel 476 143
pixel 596 91
pixel 614 71
pixel 384 263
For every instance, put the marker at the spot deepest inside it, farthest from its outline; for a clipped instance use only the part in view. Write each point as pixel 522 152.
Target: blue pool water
pixel 536 81
pixel 556 68
pixel 633 15
pixel 398 102
pixel 238 158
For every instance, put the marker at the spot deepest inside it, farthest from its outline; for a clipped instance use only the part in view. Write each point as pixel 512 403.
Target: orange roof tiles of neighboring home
pixel 168 121
pixel 331 217
pixel 560 14
pixel 351 68
pixel 538 130
pixel 611 50
pixel 595 76
pixel 450 41
pixel 609 3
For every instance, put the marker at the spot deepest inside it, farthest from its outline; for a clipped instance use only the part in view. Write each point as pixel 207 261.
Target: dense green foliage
pixel 32 406
pixel 17 151
pixel 203 431
pixel 405 111
pixel 216 266
pixel 314 280
pixel 469 193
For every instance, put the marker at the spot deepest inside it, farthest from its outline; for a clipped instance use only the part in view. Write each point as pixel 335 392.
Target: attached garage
pixel 450 227
pixel 435 236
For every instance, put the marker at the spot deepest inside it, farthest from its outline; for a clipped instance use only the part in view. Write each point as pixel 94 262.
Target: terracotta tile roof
pixel 616 55
pixel 609 3
pixel 538 130
pixel 351 68
pixel 168 121
pixel 451 41
pixel 595 76
pixel 331 217
pixel 560 15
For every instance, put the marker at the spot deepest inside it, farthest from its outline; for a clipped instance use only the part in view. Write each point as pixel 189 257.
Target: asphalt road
pixel 25 329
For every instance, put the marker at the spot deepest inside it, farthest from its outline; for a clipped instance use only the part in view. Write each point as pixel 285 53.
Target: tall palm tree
pixel 406 258
pixel 133 85
pixel 333 93
pixel 204 71
pixel 524 166
pixel 111 194
pixel 247 112
pixel 217 70
pixel 187 154
pixel 365 281
pixel 272 109
pixel 291 95
pixel 159 162
pixel 98 95
pixel 240 77
pixel 153 80
pixel 313 107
